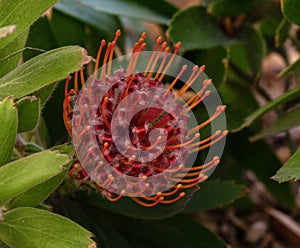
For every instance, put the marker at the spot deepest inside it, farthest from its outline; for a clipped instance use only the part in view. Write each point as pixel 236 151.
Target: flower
pixel 130 130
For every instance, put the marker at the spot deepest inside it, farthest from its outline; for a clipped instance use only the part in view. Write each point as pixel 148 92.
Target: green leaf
pixel 28 113
pixel 256 49
pixel 231 93
pixel 7 30
pixel 11 53
pixel 30 228
pixel 196 30
pixel 8 128
pixel 282 124
pixel 106 24
pixel 290 170
pixel 158 11
pixel 21 175
pixel 126 206
pixel 239 63
pixel 119 231
pixel 214 194
pixel 43 70
pixel 282 32
pixel 21 13
pixel 37 194
pixel 233 7
pixel 290 9
pixel 294 69
pixel 273 104
pixel 215 66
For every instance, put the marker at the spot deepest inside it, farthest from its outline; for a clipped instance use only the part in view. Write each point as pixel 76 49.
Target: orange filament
pixel 173 147
pixel 138 47
pixel 200 167
pixel 105 145
pixel 206 83
pixel 103 70
pixel 158 42
pixel 200 179
pixel 115 198
pixel 111 53
pixel 67 85
pixel 74 168
pixel 187 186
pixel 153 198
pixel 76 81
pixel 82 78
pixel 180 166
pixel 217 133
pixel 103 43
pixel 205 168
pixel 196 103
pixel 87 128
pixel 181 195
pixel 141 179
pixel 99 165
pixel 219 110
pixel 191 80
pixel 137 200
pixel 105 101
pixel 136 56
pixel 163 47
pixel 178 186
pixel 177 46
pixel 89 151
pixel 147 185
pixel 167 50
pixel 210 144
pixel 132 77
pixel 183 68
pixel 155 143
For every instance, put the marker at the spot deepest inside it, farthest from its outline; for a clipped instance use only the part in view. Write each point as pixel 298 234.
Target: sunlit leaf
pixel 43 70
pixel 21 175
pixel 11 53
pixel 28 113
pixel 21 13
pixel 8 129
pixel 35 228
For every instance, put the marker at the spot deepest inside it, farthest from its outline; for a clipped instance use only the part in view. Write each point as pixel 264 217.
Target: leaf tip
pixel 85 58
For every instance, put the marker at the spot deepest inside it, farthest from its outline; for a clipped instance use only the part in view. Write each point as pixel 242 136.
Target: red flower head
pixel 130 131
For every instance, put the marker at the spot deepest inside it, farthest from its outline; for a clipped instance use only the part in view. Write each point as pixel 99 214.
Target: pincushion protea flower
pixel 156 140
